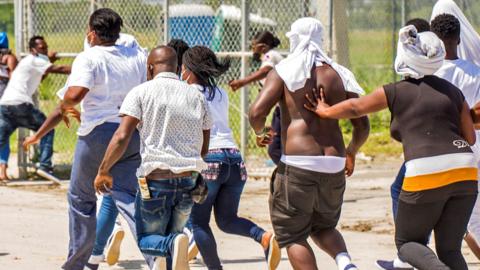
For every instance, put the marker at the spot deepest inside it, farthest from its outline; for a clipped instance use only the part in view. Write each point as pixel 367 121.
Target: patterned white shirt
pixel 173 116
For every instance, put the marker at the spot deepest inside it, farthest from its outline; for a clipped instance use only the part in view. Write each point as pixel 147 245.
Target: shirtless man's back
pixel 308 188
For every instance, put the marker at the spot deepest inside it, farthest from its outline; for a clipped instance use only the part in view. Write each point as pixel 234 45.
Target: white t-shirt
pixel 270 59
pixel 465 75
pixel 25 80
pixel 109 73
pixel 221 135
pixel 172 118
pixel 124 40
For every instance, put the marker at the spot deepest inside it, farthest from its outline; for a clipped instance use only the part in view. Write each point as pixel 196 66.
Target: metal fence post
pixel 166 7
pixel 394 36
pixel 18 10
pixel 330 27
pixel 92 6
pixel 20 38
pixel 244 100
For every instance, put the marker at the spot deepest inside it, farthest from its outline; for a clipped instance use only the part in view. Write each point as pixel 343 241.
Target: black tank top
pixel 425 117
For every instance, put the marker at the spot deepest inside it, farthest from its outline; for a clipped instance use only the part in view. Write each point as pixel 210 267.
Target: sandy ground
pixel 34 226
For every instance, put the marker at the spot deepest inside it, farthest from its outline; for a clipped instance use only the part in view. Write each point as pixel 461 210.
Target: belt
pixel 167 174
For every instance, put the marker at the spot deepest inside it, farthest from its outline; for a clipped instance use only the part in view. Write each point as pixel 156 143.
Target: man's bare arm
pixel 466 125
pixel 73 96
pixel 361 130
pixel 271 93
pixel 253 77
pixel 12 63
pixel 59 69
pixel 51 122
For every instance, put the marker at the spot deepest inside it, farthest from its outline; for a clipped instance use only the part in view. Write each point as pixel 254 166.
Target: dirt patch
pixel 360 226
pixel 50 189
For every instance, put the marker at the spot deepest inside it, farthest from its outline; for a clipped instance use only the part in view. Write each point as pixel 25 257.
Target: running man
pixel 309 185
pixel 109 232
pixel 174 123
pixel 101 78
pixel 16 105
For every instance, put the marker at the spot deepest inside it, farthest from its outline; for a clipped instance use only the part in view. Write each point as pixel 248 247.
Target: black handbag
pixel 200 192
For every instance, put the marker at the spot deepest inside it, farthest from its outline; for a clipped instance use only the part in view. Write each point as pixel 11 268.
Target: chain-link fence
pixel 362 38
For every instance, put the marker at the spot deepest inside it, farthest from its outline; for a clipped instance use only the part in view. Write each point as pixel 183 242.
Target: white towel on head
pixel 306 39
pixel 418 54
pixel 469 47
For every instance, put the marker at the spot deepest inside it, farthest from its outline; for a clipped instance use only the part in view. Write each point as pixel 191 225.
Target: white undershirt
pixel 221 135
pixel 323 164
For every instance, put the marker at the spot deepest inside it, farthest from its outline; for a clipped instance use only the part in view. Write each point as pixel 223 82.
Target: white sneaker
pixel 192 246
pixel 96 259
pixel 160 263
pixel 113 246
pixel 180 253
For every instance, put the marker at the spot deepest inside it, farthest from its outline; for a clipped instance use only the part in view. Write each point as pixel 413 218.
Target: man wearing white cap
pixel 308 188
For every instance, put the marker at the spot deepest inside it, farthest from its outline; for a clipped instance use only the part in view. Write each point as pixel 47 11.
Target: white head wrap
pixel 469 47
pixel 306 39
pixel 418 54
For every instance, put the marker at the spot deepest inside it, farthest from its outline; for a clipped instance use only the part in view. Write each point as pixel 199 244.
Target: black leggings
pixel 447 218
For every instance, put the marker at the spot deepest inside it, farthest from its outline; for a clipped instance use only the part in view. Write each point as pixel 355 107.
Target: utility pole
pixel 333 15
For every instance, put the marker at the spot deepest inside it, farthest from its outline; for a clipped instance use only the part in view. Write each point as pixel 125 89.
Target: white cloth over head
pixel 418 54
pixel 469 47
pixel 306 40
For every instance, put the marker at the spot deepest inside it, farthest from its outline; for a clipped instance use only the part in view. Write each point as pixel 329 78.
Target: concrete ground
pixel 34 226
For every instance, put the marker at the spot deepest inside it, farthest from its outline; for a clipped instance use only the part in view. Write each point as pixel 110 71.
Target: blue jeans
pixel 396 188
pixel 106 218
pixel 224 197
pixel 162 217
pixel 5 153
pixel 26 116
pixel 82 201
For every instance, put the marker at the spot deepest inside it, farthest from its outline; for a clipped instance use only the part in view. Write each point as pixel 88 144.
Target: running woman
pixel 432 120
pixel 226 174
